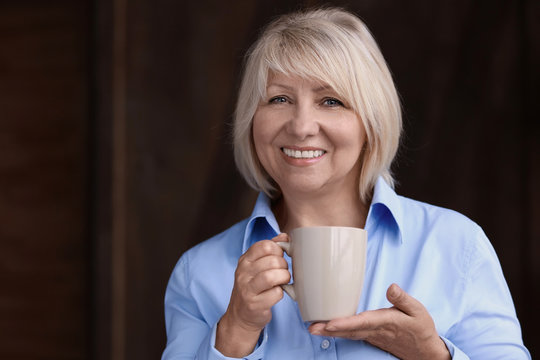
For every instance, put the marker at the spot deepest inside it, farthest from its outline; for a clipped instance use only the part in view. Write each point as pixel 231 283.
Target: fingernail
pixel 394 291
pixel 330 327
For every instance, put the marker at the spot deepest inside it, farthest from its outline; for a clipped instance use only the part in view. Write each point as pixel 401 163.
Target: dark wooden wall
pixel 44 242
pixel 116 155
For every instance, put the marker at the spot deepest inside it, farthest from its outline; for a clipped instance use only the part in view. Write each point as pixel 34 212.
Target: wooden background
pixel 115 154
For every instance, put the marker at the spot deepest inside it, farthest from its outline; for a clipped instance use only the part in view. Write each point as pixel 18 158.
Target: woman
pixel 317 126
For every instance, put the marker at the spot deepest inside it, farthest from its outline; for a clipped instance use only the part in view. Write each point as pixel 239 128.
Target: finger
pixel 346 334
pixel 317 328
pixel 260 304
pixel 270 297
pixel 268 263
pixel 282 237
pixel 365 321
pixel 268 279
pixel 403 301
pixel 320 330
pixel 352 335
pixel 260 249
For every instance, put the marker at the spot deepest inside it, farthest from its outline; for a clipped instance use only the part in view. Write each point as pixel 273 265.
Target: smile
pixel 304 154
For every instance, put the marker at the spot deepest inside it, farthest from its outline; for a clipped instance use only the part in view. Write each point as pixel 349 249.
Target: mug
pixel 328 269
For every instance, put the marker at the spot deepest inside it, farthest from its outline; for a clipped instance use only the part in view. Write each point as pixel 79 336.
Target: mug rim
pixel 328 227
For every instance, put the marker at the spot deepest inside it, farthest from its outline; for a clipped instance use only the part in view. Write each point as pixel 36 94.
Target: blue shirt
pixel 438 256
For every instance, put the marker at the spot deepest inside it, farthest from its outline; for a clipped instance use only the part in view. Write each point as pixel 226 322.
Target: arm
pixel 190 336
pixel 187 330
pixel 489 327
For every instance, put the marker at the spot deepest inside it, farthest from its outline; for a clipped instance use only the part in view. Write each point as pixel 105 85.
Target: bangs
pixel 313 56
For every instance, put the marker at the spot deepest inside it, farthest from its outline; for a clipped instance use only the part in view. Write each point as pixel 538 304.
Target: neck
pixel 342 209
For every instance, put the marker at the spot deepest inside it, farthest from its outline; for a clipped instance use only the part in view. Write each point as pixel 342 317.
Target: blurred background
pixel 115 155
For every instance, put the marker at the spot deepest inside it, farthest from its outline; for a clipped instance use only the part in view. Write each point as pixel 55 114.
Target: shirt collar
pixel 385 207
pixel 262 220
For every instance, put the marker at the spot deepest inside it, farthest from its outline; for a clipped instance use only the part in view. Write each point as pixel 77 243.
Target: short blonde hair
pixel 333 46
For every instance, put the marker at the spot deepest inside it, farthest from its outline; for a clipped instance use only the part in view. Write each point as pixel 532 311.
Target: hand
pixel 256 289
pixel 405 330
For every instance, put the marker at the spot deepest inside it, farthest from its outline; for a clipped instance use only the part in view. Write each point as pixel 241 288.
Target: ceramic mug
pixel 328 269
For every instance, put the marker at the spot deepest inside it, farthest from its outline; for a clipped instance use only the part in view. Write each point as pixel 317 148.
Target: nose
pixel 303 122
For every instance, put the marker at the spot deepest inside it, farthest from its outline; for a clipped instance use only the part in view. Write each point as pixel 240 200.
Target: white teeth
pixel 306 154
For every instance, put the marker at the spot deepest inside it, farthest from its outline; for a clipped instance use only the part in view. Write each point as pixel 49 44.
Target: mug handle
pixel 288 288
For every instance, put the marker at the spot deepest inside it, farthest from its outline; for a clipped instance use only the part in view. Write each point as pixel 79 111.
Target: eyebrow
pixel 290 88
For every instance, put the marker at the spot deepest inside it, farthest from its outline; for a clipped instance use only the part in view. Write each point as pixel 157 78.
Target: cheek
pixel 262 139
pixel 356 136
pixel 257 126
pixel 348 142
pixel 347 138
pixel 258 135
pixel 264 131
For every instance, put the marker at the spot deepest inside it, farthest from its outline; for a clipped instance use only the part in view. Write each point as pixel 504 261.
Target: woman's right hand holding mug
pixel 256 289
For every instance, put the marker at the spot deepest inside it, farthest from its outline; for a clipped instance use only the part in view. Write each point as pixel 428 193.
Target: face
pixel 307 138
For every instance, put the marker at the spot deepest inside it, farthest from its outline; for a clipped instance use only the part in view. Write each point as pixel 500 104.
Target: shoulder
pixel 204 276
pixel 209 266
pixel 225 247
pixel 443 233
pixel 436 219
pixel 436 235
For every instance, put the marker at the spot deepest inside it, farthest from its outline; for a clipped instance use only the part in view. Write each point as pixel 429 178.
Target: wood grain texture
pixel 43 204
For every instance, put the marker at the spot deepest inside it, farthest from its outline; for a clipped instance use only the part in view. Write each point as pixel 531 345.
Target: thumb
pixel 403 301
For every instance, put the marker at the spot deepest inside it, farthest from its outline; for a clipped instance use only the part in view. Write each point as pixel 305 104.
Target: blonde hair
pixel 333 46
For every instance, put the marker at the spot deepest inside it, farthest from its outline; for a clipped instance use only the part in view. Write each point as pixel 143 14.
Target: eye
pixel 278 100
pixel 331 102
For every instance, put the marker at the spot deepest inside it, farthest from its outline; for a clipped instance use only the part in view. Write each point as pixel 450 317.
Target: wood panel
pixel 44 246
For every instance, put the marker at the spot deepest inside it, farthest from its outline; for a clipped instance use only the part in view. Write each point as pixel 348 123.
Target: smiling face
pixel 307 138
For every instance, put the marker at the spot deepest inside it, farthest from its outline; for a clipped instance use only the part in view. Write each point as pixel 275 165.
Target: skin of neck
pixel 326 208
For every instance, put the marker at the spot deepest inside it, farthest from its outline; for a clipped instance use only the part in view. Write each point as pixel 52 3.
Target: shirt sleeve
pixel 189 336
pixel 489 328
pixel 455 352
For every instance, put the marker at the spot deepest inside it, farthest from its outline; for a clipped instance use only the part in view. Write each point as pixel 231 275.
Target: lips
pixel 303 154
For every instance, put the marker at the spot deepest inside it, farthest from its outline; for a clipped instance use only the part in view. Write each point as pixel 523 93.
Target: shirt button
pixel 325 344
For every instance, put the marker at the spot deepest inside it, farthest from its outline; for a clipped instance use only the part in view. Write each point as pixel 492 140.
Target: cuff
pixel 257 354
pixel 455 352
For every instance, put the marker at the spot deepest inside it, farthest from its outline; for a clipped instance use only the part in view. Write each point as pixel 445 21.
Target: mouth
pixel 302 154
